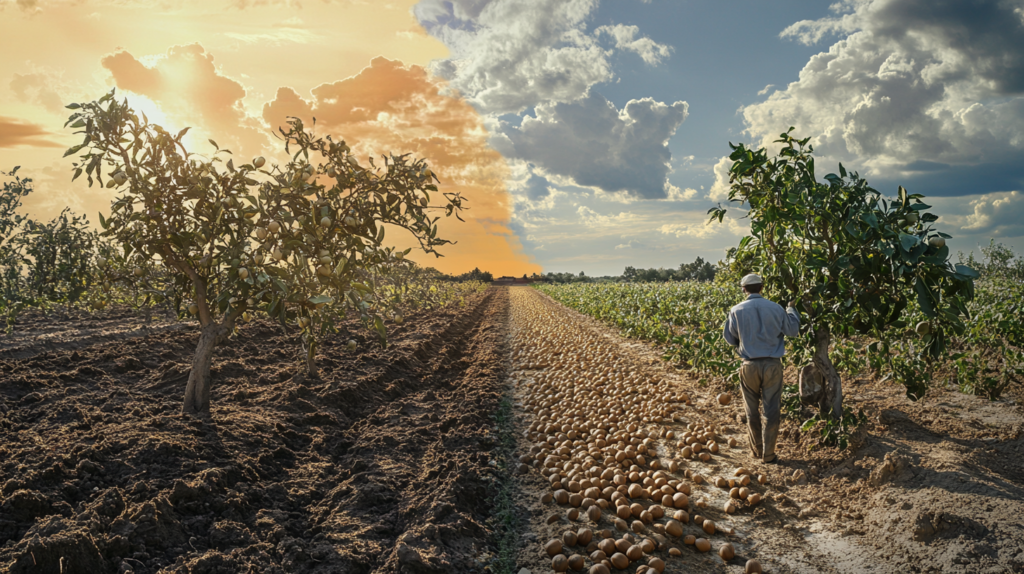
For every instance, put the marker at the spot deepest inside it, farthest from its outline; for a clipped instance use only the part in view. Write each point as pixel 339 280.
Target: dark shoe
pixel 774 460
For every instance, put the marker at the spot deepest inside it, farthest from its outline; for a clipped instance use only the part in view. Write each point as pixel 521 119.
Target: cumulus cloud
pixel 508 55
pixel 908 81
pixel 600 146
pixel 18 133
pixel 393 108
pixel 720 188
pixel 626 39
pixel 990 215
pixel 185 83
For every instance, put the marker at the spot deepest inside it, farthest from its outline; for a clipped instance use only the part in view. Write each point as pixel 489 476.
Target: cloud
pixel 990 215
pixel 389 107
pixel 278 37
pixel 676 194
pixel 696 226
pixel 19 133
pixel 509 55
pixel 765 89
pixel 186 84
pixel 39 89
pixel 909 81
pixel 625 39
pixel 720 188
pixel 631 244
pixel 600 146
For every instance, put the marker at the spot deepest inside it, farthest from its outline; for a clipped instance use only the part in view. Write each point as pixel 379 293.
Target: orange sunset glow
pixel 233 71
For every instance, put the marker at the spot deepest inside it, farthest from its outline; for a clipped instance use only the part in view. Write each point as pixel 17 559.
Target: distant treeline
pixel 698 270
pixel 475 275
pixel 996 260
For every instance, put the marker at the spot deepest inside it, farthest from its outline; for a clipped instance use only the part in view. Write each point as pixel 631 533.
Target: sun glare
pixel 155 115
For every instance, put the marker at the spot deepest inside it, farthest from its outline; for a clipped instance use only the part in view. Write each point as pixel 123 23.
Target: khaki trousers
pixel 761 381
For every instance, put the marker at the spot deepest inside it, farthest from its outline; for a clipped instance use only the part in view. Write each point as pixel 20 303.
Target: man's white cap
pixel 752 279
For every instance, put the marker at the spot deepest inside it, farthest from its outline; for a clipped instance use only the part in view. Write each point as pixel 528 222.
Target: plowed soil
pixel 382 464
pixel 391 460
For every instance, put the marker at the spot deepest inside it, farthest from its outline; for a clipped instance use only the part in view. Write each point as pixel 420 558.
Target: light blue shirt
pixel 759 327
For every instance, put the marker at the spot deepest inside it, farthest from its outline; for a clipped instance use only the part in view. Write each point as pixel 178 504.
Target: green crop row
pixel 686 320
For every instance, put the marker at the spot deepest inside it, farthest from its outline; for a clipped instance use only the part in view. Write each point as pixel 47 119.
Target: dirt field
pixel 381 465
pixel 931 486
pixel 390 461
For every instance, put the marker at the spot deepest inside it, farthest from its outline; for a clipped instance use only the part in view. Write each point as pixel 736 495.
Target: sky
pixel 586 135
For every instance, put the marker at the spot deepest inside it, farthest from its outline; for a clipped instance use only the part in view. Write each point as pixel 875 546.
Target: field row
pixel 687 318
pixel 627 471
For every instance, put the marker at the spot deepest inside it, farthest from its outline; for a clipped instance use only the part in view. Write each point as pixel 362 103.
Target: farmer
pixel 758 327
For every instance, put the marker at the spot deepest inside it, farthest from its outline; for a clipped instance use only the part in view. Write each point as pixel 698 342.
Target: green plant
pixel 12 259
pixel 911 369
pixel 58 256
pixel 301 243
pixel 853 258
pixel 792 409
pixel 835 431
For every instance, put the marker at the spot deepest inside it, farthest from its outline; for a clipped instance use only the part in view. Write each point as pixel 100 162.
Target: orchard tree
pixel 854 259
pixel 59 259
pixel 12 259
pixel 126 276
pixel 302 243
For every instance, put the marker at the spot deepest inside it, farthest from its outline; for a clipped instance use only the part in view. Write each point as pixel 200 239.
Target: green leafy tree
pixel 12 259
pixel 59 259
pixel 301 243
pixel 853 258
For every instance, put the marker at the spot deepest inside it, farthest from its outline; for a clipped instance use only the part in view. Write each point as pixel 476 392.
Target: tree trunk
pixel 197 393
pixel 832 398
pixel 309 349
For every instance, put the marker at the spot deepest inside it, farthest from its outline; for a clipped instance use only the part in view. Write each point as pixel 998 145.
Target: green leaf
pixel 215 144
pixel 908 241
pixel 924 298
pixel 317 300
pixel 378 324
pixel 967 271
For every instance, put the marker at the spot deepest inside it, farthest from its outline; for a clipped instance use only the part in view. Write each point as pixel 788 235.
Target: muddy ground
pixel 935 485
pixel 383 464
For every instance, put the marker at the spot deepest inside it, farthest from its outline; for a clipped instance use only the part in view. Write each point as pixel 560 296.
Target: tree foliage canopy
pixel 854 257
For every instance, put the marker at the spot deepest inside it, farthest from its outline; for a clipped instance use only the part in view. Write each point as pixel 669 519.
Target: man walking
pixel 758 328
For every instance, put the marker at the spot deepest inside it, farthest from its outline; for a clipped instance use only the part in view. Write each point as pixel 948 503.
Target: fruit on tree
pixel 923 328
pixel 325 222
pixel 274 226
pixel 259 162
pixel 913 218
pixel 243 273
pixel 193 309
pixel 261 233
pixel 137 272
pixel 937 242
